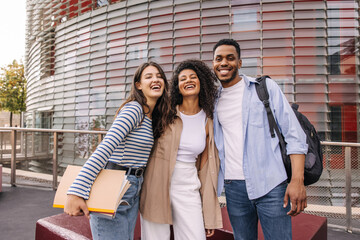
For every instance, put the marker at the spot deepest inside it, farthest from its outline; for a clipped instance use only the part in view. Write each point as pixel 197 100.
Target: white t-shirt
pixel 230 117
pixel 193 137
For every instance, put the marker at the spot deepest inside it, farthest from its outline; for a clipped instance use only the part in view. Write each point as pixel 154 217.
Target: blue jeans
pixel 244 213
pixel 123 225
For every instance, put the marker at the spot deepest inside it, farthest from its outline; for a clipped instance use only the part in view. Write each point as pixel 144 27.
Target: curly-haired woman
pixel 180 181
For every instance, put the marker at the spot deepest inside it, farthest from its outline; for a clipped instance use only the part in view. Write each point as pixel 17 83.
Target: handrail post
pixel 99 138
pixel 348 188
pixel 26 143
pixel 13 158
pixel 1 142
pixel 55 161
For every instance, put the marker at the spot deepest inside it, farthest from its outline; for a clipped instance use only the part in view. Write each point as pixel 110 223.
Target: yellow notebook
pixel 106 193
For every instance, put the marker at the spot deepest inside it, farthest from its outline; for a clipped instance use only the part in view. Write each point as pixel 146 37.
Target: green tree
pixel 13 89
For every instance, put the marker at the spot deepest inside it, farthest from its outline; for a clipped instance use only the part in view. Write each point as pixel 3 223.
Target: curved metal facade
pixel 80 58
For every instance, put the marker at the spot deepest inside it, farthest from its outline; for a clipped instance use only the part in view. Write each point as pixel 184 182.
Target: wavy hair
pixel 208 89
pixel 160 114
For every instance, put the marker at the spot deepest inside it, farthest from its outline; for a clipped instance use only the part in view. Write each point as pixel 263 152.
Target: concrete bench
pixel 62 226
pixel 332 211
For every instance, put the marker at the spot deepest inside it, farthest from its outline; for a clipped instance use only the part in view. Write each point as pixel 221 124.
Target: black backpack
pixel 314 157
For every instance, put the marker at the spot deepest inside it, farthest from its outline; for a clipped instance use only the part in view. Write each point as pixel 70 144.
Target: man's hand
pixel 76 206
pixel 297 193
pixel 296 190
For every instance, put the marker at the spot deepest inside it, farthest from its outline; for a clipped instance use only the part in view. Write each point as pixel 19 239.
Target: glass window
pixel 310 60
pixel 271 43
pixel 187 49
pixel 310 32
pixel 142 23
pixel 277 52
pixel 186 41
pixel 277 25
pixel 314 13
pixel 116 28
pixel 314 98
pixel 187 32
pixel 277 61
pixel 181 57
pixel 186 15
pixel 245 18
pixel 160 44
pixel 116 35
pixel 180 7
pixel 302 42
pixel 214 21
pixel 161 52
pixel 278 69
pixel 310 51
pixel 315 23
pixel 187 24
pixel 160 36
pixel 271 7
pixel 246 35
pixel 268 16
pixel 116 20
pixel 160 27
pixel 310 69
pixel 277 34
pixel 116 73
pixel 212 13
pixel 310 5
pixel 346 32
pixel 160 11
pixel 160 19
pixel 115 58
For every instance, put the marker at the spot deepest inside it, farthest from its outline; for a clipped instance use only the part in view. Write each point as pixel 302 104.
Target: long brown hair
pixel 160 114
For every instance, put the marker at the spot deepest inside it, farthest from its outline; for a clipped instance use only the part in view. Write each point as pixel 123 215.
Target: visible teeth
pixel 224 71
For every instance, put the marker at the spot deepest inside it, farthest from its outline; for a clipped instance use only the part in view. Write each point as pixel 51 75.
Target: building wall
pixel 81 57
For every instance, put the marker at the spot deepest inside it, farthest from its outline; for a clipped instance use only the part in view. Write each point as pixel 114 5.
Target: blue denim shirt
pixel 262 161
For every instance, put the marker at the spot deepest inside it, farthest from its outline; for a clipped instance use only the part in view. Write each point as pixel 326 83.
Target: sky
pixel 12 31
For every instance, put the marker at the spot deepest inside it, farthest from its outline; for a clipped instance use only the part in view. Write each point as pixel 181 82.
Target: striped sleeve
pixel 128 119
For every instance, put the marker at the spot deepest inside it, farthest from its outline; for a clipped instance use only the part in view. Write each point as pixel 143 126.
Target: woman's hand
pixel 76 206
pixel 209 232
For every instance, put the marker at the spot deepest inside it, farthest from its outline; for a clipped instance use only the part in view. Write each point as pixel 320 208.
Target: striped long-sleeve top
pixel 127 143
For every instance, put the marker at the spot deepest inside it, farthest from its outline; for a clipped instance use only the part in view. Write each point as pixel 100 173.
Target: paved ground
pixel 22 206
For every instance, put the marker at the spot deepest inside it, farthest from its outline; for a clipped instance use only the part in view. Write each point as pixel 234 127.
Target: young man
pixel 252 170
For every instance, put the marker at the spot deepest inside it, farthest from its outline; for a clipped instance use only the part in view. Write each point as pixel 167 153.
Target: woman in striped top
pixel 126 146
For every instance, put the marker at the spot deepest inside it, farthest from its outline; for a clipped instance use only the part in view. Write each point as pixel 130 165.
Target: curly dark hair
pixel 208 89
pixel 160 114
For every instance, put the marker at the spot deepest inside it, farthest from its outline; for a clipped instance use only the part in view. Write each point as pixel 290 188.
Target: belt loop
pixel 128 171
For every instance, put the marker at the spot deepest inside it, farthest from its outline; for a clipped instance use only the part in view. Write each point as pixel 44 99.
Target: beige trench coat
pixel 155 196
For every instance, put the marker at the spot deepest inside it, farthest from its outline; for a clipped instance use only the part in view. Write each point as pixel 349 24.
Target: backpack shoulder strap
pixel 263 94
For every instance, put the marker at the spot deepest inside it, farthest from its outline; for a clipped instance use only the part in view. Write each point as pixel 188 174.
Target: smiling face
pixel 226 64
pixel 151 83
pixel 189 83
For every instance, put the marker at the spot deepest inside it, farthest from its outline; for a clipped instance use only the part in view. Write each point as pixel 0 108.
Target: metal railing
pixel 336 195
pixel 13 142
